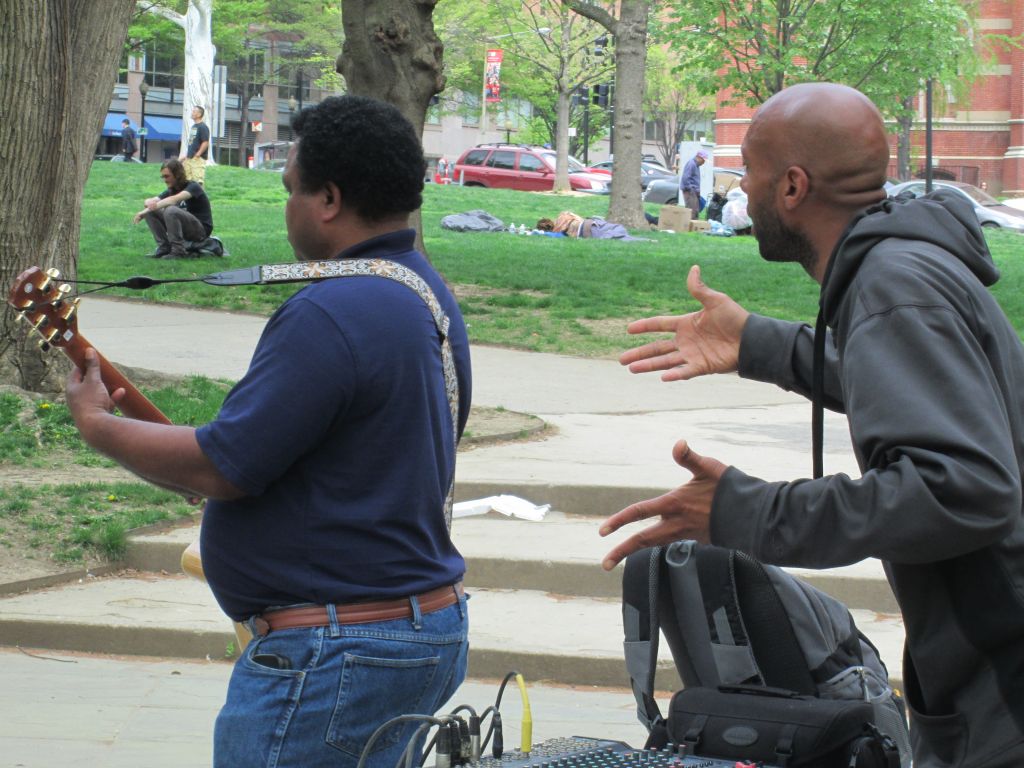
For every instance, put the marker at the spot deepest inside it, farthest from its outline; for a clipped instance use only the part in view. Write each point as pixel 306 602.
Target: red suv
pixel 518 166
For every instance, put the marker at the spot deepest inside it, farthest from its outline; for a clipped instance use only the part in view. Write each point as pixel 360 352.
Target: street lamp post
pixel 542 31
pixel 143 90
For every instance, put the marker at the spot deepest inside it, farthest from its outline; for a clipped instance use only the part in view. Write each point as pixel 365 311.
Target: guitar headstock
pixel 43 304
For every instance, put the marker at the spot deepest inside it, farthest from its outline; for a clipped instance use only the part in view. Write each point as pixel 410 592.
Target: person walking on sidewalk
pixel 178 214
pixel 330 466
pixel 689 183
pixel 127 140
pixel 926 366
pixel 194 158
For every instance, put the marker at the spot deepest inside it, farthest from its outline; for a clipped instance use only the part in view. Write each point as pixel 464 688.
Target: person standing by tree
pixel 329 468
pixel 689 182
pixel 127 140
pixel 194 158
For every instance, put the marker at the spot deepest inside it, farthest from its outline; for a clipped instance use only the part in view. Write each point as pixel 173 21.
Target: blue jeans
pixel 344 681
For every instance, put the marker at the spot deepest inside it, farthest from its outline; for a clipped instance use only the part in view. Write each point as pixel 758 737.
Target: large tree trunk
pixel 392 53
pixel 59 62
pixel 630 30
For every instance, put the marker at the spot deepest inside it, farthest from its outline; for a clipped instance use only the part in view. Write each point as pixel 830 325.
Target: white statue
pixel 199 54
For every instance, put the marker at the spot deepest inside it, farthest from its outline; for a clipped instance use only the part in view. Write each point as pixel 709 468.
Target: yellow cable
pixel 527 727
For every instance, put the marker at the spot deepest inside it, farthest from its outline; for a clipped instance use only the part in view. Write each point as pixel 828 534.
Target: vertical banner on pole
pixel 492 75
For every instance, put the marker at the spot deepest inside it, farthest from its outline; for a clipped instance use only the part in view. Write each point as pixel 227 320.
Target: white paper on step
pixel 511 506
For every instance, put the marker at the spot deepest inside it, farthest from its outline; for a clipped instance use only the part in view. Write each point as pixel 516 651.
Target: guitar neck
pixel 134 405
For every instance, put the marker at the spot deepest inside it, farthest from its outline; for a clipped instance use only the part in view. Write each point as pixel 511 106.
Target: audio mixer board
pixel 583 752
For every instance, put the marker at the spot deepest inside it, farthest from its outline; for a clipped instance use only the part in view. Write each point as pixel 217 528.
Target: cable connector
pixel 526 742
pixel 498 744
pixel 444 747
pixel 474 738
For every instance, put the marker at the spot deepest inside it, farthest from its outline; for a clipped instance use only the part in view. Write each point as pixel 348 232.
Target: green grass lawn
pixel 536 293
pixel 77 523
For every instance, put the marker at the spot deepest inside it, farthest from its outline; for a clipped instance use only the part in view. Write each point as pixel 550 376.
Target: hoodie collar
pixel 943 218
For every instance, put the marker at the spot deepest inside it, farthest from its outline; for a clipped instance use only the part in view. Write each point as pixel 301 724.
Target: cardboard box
pixel 700 226
pixel 674 217
pixel 725 181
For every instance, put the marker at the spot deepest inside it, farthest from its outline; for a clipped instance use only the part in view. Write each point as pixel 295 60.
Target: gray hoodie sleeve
pixel 782 353
pixel 940 476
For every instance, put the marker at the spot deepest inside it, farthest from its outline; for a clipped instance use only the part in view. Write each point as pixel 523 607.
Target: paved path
pixel 615 429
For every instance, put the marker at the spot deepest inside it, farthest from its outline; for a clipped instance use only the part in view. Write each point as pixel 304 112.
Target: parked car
pixel 665 191
pixel 518 166
pixel 990 212
pixel 648 171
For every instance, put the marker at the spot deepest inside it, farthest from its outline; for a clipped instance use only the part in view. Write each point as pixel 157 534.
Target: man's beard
pixel 779 243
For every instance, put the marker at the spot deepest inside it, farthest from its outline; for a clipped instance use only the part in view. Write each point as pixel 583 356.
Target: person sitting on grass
pixel 178 214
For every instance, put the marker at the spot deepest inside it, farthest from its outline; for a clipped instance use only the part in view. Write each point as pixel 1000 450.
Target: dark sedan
pixel 648 172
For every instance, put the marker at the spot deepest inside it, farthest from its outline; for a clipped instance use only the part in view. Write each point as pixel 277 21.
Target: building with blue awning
pixel 163 128
pixel 112 124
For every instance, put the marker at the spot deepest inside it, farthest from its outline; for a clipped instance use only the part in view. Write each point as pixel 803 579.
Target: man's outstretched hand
pixel 685 512
pixel 706 341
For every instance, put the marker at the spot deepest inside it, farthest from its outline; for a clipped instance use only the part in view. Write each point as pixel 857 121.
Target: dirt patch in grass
pixel 471 291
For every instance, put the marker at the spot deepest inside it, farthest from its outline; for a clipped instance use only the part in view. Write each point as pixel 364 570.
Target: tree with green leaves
pixel 757 47
pixel 195 17
pixel 673 99
pixel 292 42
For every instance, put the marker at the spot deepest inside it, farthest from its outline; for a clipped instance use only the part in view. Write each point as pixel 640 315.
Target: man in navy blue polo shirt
pixel 329 467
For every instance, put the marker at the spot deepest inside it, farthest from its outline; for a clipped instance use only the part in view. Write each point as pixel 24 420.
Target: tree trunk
pixel 392 53
pixel 200 53
pixel 59 59
pixel 905 122
pixel 630 30
pixel 626 206
pixel 562 141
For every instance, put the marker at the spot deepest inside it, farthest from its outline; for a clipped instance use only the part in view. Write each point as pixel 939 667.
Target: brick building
pixel 977 139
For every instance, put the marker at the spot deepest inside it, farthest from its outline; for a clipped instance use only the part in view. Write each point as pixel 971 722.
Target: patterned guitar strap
pixel 318 270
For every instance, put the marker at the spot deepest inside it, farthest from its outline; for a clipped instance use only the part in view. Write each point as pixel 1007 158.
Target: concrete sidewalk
pixel 64 709
pixel 614 429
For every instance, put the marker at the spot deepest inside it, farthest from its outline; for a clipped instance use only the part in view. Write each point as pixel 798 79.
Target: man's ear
pixel 794 185
pixel 330 196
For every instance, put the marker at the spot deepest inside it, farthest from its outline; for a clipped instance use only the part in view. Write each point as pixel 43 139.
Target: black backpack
pixel 736 629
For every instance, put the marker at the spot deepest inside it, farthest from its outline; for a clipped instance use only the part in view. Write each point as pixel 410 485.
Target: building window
pixel 654 130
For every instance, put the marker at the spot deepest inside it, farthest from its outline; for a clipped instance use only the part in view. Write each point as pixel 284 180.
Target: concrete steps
pixel 540 603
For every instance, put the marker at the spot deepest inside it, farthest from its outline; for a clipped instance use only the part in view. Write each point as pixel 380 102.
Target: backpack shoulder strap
pixel 640 585
pixel 770 632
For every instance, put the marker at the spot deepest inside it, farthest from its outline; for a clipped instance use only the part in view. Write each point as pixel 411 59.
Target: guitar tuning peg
pixel 44 345
pixel 64 289
pixel 52 273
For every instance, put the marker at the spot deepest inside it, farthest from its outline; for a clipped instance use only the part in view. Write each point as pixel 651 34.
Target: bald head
pixel 831 131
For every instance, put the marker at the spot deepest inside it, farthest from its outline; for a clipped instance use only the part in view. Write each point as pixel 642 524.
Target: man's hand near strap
pixel 706 341
pixel 685 512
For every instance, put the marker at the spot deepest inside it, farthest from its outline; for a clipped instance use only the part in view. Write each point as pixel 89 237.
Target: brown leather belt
pixel 356 613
